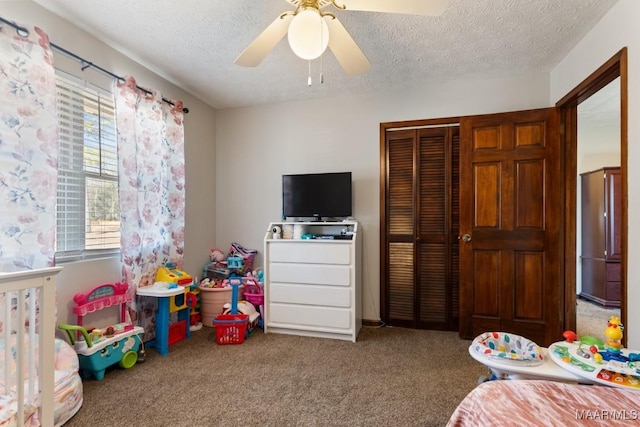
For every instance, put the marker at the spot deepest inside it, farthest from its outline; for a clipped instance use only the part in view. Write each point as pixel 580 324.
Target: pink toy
pixel 216 255
pixel 252 290
pixel 100 297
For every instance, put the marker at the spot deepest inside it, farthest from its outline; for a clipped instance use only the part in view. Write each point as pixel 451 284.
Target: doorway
pixel 614 69
pixel 598 193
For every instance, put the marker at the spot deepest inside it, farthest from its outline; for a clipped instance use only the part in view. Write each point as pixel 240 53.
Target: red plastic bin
pixel 177 332
pixel 230 328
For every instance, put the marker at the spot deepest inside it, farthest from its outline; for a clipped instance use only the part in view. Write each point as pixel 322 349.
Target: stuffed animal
pixel 216 255
pixel 257 275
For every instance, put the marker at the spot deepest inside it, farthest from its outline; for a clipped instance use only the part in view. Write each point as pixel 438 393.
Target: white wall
pixel 616 30
pixel 199 149
pixel 256 145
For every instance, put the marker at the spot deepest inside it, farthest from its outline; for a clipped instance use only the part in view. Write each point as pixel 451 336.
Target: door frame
pixel 615 67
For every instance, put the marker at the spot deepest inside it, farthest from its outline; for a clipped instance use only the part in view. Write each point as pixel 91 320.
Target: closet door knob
pixel 466 238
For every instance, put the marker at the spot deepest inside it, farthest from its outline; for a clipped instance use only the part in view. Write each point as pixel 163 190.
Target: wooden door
pixel 420 220
pixel 511 276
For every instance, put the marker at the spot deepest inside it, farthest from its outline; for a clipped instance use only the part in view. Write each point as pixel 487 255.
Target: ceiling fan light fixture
pixel 308 34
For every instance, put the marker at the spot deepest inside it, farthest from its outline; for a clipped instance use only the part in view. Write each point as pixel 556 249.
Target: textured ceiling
pixel 193 43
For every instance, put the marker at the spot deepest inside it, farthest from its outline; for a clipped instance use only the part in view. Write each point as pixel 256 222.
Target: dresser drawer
pixel 310 295
pixel 325 317
pixel 310 252
pixel 313 274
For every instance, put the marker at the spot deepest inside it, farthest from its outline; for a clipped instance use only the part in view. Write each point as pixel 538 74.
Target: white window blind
pixel 88 213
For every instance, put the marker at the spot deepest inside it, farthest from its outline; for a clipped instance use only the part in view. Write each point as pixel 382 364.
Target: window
pixel 88 214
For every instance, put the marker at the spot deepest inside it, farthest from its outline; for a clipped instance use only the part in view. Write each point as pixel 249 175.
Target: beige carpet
pixel 591 318
pixel 390 376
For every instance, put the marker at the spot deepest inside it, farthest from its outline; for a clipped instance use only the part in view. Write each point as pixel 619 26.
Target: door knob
pixel 466 238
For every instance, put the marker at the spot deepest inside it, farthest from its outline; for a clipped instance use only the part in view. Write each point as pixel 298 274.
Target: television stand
pixel 313 287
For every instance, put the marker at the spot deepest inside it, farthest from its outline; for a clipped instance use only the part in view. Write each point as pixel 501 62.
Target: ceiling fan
pixel 310 30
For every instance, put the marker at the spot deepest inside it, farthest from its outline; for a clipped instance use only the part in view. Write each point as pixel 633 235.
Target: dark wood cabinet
pixel 601 216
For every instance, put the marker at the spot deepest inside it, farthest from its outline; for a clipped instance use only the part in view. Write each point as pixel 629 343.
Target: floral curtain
pixel 151 186
pixel 28 158
pixel 28 150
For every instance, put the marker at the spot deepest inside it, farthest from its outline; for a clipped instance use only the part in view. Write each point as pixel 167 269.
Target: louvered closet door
pixel 399 230
pixel 420 276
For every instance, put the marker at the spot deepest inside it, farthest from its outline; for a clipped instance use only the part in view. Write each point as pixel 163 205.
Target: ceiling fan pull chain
pixel 309 79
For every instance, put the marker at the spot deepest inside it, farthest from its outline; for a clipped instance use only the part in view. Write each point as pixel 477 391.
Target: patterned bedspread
pixel 546 403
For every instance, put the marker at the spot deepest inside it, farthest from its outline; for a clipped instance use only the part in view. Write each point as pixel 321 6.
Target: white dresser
pixel 313 286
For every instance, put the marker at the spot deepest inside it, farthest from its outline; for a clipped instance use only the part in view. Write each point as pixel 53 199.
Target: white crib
pixel 35 290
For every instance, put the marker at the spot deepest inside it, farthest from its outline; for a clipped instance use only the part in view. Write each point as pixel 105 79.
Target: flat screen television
pixel 318 195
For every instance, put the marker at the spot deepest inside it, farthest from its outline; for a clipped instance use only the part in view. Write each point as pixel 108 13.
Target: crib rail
pixel 31 296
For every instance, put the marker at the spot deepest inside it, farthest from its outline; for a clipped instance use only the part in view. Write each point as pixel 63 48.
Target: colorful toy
pixel 614 333
pixel 510 356
pixel 195 319
pixel 119 343
pixel 253 293
pixel 605 363
pixel 593 348
pixel 234 263
pixel 508 347
pixel 170 274
pixel 170 300
pixel 216 271
pixel 247 255
pixel 231 328
pixel 216 255
pixel 259 274
pixel 570 336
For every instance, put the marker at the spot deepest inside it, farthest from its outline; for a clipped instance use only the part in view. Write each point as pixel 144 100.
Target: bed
pixel 35 388
pixel 546 403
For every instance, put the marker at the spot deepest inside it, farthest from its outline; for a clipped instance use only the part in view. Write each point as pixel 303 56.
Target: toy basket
pixel 230 328
pixel 252 291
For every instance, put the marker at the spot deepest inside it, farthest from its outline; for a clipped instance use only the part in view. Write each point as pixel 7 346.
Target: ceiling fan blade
pixel 253 55
pixel 345 49
pixel 410 7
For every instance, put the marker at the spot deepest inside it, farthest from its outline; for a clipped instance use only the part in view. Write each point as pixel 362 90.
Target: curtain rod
pixel 85 64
